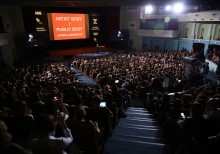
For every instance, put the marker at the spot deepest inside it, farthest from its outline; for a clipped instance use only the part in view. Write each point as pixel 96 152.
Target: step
pixel 137 109
pixel 128 130
pixel 140 118
pixel 139 114
pixel 138 121
pixel 138 126
pixel 139 138
pixel 123 146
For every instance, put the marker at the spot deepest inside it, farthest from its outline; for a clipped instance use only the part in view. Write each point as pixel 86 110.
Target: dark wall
pixel 109 19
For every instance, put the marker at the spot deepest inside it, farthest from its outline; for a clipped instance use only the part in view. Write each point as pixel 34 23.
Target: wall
pixel 157 43
pixel 171 44
pixel 130 19
pixel 168 44
pixel 185 43
pixel 203 28
pixel 191 30
pixel 174 44
pixel 191 27
pixel 202 16
pixel 13 23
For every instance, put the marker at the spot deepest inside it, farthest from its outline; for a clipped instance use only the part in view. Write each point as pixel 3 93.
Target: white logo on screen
pixel 39 13
pixel 37 19
pixel 95 33
pixel 95 21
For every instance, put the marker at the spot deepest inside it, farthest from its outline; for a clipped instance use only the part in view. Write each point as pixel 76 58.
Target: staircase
pixel 138 133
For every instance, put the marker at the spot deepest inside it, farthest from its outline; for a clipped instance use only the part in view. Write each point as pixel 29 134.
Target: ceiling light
pixel 149 9
pixel 168 8
pixel 178 8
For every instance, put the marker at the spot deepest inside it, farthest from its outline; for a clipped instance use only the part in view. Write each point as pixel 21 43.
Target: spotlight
pixel 178 8
pixel 168 8
pixel 149 9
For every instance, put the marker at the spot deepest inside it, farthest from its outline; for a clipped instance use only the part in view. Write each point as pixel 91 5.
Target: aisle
pixel 138 133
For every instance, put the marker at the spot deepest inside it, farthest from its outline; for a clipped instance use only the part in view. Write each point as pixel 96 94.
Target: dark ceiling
pixel 92 3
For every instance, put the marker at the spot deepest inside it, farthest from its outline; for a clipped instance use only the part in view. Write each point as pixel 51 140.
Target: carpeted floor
pixel 138 133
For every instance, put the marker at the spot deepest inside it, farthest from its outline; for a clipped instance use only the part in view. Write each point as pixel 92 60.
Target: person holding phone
pixel 59 107
pixel 46 142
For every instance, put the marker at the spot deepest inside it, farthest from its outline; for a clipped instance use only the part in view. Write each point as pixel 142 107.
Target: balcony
pixel 159 33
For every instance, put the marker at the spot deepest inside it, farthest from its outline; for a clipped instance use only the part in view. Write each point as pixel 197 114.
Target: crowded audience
pixel 59 113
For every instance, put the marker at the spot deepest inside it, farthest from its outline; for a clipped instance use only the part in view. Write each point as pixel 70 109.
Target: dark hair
pixel 45 124
pixel 78 100
pixel 80 113
pixel 197 110
pixel 97 100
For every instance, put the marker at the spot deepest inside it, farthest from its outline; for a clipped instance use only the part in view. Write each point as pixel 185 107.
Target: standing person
pixel 194 131
pixel 218 74
pixel 97 45
pixel 46 142
pixel 166 83
pixel 97 48
pixel 206 72
pixel 156 84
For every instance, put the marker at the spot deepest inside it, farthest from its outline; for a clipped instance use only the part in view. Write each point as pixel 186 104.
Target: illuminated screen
pixel 66 26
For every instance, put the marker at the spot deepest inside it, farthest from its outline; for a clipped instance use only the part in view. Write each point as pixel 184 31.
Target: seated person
pixel 46 142
pixel 215 57
pixel 86 133
pixel 6 144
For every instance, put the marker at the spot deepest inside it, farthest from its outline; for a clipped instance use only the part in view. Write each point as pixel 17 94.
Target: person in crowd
pixel 215 57
pixel 6 144
pixel 212 111
pixel 52 79
pixel 87 133
pixel 46 142
pixel 166 82
pixel 79 117
pixel 204 70
pixel 218 74
pixel 194 131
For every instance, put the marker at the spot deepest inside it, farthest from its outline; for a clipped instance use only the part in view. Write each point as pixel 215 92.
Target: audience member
pixel 46 142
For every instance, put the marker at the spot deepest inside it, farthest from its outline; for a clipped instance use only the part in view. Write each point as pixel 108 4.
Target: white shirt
pixel 166 82
pixel 51 144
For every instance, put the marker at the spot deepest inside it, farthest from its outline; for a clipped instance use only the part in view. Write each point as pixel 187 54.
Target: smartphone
pixel 182 115
pixel 56 110
pixel 55 98
pixel 102 104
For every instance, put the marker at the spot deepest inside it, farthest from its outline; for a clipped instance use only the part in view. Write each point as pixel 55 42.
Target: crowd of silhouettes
pixel 45 109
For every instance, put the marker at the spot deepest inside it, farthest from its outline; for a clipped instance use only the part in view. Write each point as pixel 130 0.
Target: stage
pixel 80 52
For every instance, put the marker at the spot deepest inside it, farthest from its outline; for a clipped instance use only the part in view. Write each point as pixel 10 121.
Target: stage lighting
pixel 168 8
pixel 149 9
pixel 178 8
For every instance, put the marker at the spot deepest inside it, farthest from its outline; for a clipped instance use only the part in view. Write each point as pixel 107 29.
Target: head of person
pixel 96 100
pixel 80 113
pixel 197 111
pixel 45 124
pixel 5 136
